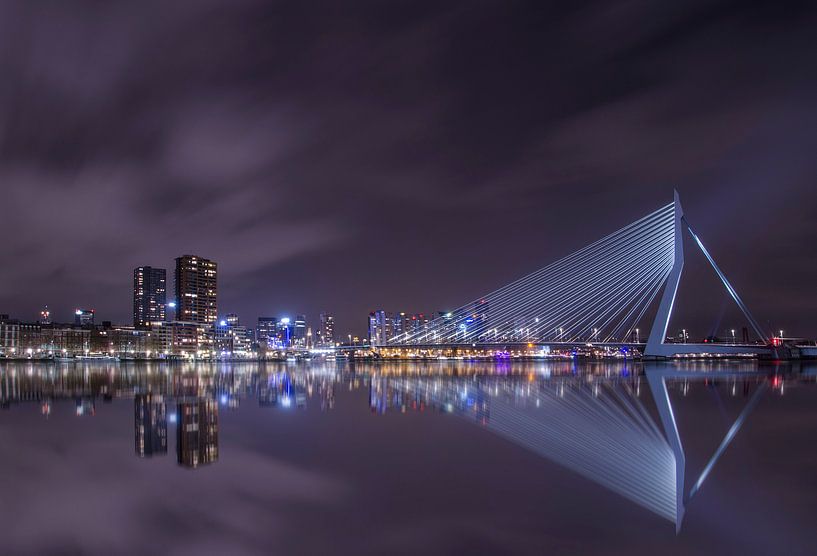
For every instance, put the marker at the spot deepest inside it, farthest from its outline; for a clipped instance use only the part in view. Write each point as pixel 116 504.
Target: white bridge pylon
pixel 656 344
pixel 599 294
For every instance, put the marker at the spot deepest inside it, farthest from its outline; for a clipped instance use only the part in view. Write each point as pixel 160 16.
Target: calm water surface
pixel 398 458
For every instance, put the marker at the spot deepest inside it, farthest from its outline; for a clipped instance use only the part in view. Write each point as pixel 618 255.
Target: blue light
pixel 171 418
pixel 223 323
pixel 286 401
pixel 224 399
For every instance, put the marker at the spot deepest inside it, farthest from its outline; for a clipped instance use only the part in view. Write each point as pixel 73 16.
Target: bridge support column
pixel 655 343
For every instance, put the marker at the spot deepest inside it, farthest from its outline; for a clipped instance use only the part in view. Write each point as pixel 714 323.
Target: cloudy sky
pixel 404 155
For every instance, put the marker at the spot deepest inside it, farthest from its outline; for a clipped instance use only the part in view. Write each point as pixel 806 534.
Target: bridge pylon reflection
pixel 596 426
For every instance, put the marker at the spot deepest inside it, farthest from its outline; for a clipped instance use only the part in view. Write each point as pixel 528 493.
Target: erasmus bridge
pixel 601 294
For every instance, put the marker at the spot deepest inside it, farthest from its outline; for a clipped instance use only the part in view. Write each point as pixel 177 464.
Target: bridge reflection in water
pixel 596 426
pixel 611 423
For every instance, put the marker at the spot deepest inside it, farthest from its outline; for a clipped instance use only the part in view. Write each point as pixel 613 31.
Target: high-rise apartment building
pixel 299 331
pixel 196 290
pixel 326 333
pixel 149 295
pixel 380 328
pixel 266 331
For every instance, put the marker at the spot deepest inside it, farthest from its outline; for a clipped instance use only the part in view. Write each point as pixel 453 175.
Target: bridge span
pixel 600 296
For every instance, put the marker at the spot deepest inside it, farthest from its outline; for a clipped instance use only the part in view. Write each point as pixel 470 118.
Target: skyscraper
pixel 380 328
pixel 299 331
pixel 285 332
pixel 326 332
pixel 149 295
pixel 266 331
pixel 196 290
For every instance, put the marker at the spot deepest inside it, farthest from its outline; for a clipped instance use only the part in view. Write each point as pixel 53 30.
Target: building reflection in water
pixel 611 423
pixel 150 415
pixel 196 432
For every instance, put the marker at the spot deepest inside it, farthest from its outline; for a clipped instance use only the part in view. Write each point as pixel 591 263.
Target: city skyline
pixel 325 173
pixel 464 277
pixel 195 301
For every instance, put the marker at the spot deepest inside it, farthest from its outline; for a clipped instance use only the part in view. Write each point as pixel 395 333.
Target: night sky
pixel 404 155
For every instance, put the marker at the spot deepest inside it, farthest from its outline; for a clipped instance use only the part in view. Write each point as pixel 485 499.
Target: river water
pixel 438 457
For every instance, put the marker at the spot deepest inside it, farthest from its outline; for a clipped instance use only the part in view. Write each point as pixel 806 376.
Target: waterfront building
pixel 149 295
pixel 380 327
pixel 196 432
pixel 299 331
pixel 284 335
pixel 398 325
pixel 266 331
pixel 9 336
pixel 30 335
pixel 84 317
pixel 124 341
pixel 150 423
pixel 326 333
pixel 60 340
pixel 196 289
pixel 242 341
pixel 231 338
pixel 185 339
pixel 222 338
pixel 416 323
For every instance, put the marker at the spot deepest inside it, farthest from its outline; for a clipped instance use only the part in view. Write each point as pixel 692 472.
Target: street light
pixel 733 335
pixel 636 336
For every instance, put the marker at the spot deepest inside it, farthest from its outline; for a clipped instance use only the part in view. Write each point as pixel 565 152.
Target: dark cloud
pixel 338 156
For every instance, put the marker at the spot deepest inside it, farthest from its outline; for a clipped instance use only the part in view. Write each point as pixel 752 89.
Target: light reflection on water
pixel 609 422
